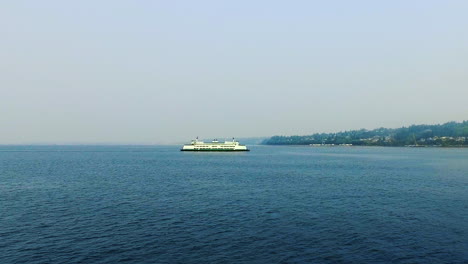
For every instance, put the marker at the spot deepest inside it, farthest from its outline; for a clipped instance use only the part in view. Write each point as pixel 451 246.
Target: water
pixel 145 204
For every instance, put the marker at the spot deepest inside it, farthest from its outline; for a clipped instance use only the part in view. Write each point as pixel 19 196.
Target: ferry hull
pixel 215 150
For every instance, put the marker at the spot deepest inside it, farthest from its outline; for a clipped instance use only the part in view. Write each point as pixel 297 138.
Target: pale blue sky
pixel 167 71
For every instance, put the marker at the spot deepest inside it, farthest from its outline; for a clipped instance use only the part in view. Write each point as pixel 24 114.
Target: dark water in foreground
pixel 130 204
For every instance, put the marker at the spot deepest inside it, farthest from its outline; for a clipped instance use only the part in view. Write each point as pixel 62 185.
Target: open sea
pixel 156 204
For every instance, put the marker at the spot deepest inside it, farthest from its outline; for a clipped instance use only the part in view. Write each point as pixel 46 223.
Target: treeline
pixel 448 134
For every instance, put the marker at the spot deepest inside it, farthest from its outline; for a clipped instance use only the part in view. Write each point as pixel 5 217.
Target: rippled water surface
pixel 148 204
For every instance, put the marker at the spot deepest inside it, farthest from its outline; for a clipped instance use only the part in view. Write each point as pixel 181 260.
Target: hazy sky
pixel 167 71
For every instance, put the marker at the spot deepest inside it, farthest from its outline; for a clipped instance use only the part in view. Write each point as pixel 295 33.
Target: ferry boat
pixel 214 145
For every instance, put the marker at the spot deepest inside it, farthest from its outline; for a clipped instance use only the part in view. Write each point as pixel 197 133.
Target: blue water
pixel 150 204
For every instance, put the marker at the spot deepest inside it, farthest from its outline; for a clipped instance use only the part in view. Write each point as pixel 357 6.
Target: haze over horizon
pixel 168 71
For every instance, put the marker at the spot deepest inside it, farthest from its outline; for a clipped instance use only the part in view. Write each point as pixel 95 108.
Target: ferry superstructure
pixel 214 145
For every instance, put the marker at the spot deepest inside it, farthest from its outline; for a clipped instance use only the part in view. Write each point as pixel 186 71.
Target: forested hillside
pixel 448 134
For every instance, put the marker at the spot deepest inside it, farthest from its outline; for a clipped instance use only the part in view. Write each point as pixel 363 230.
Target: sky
pixel 162 72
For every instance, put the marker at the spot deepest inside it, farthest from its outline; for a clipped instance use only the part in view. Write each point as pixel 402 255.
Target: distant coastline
pixel 451 134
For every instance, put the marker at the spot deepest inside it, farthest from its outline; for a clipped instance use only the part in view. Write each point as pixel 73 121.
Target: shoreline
pixel 334 146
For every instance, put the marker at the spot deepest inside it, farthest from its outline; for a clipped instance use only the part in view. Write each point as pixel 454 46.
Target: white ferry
pixel 214 145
